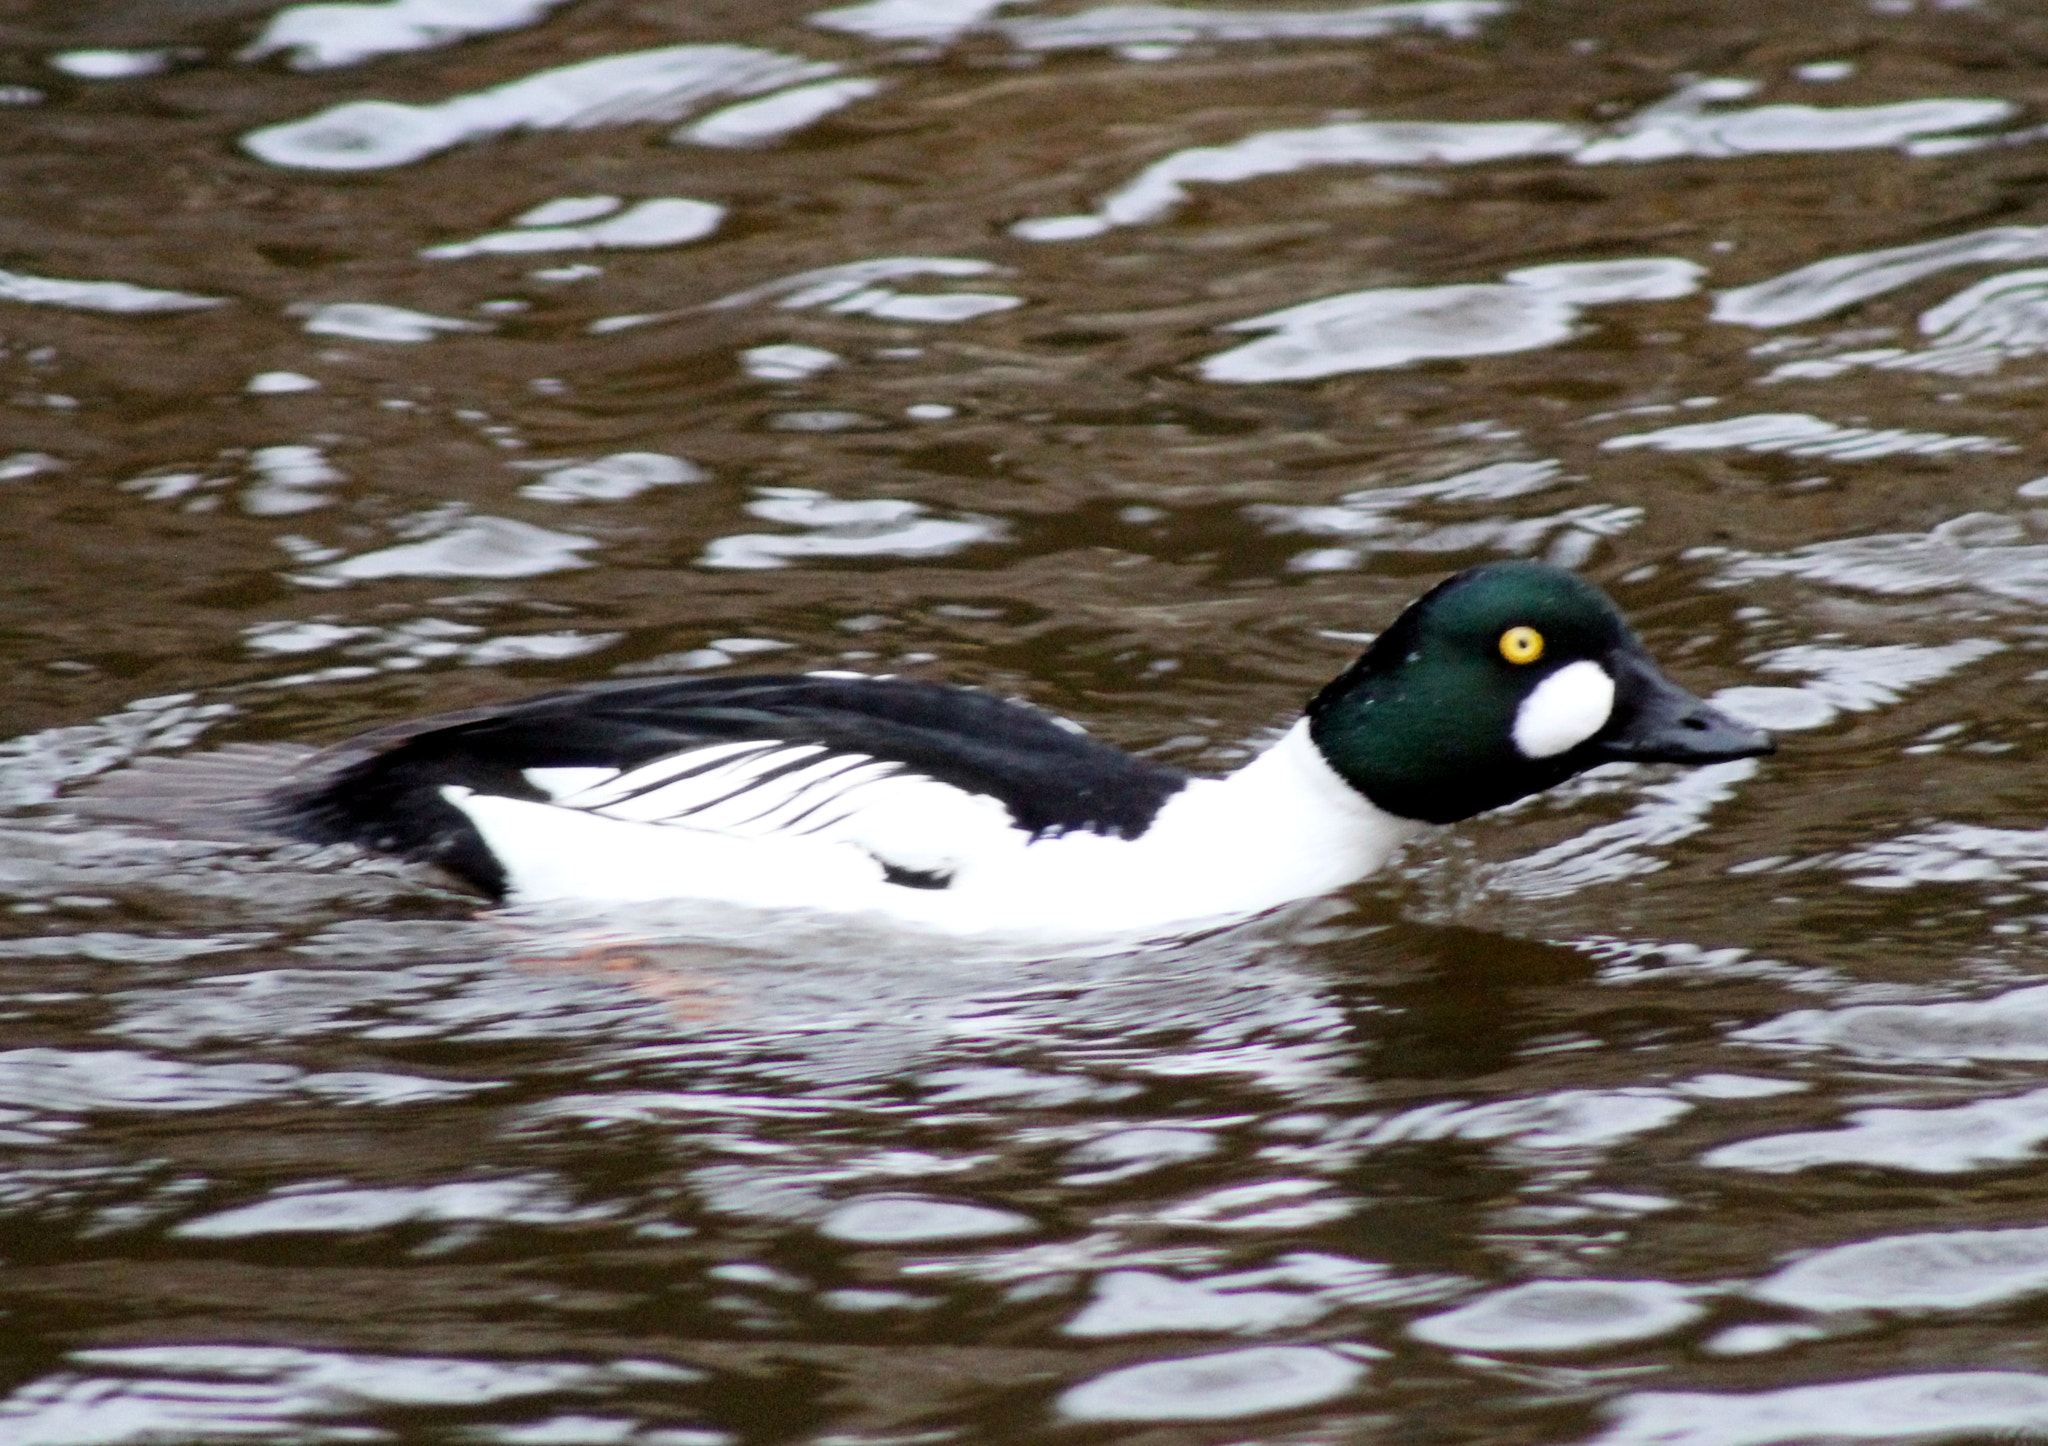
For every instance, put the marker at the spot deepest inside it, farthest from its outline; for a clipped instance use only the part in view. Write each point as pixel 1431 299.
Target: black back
pixel 382 790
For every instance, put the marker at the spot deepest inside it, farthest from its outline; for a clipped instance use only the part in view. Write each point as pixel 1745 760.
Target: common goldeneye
pixel 959 810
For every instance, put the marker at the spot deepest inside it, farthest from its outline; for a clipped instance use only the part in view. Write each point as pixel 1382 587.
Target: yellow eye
pixel 1521 645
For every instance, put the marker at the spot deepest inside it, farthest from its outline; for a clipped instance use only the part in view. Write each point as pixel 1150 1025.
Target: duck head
pixel 1503 681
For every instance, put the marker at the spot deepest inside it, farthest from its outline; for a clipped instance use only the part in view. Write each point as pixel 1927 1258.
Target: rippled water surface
pixel 366 360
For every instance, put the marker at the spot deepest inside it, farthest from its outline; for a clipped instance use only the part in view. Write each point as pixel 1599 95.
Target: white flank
pixel 792 825
pixel 1564 710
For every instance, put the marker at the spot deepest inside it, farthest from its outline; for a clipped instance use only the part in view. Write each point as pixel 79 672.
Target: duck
pixel 951 808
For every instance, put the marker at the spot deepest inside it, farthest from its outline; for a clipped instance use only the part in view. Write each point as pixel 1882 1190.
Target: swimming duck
pixel 952 808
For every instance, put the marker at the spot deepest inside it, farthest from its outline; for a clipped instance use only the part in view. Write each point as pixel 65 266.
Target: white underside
pixel 1283 827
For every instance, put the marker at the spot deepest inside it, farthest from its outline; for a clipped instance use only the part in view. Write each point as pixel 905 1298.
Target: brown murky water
pixel 969 341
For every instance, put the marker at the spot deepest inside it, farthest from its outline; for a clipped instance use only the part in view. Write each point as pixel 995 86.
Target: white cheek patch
pixel 1564 710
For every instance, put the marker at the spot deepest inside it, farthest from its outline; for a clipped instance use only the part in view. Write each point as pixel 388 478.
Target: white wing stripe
pixel 680 767
pixel 755 788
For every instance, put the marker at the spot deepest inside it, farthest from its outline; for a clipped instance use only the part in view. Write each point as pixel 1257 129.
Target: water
pixel 373 360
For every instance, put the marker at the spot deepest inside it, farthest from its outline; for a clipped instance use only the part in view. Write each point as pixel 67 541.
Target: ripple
pixel 477 547
pixel 1939 1270
pixel 646 85
pixel 659 221
pixel 326 36
pixel 112 64
pixel 612 479
pixel 2009 1026
pixel 290 479
pixel 1799 434
pixel 1947 1141
pixel 1138 1302
pixel 343 1212
pixel 113 296
pixel 1388 327
pixel 927 20
pixel 1680 126
pixel 1256 1381
pixel 1842 281
pixel 236 1392
pixel 1118 26
pixel 373 321
pixel 1985 552
pixel 1568 1119
pixel 913 1220
pixel 763 122
pixel 876 527
pixel 1917 1408
pixel 270 384
pixel 851 288
pixel 1563 1315
pixel 787 362
pixel 1665 814
pixel 1973 333
pixel 1137 1151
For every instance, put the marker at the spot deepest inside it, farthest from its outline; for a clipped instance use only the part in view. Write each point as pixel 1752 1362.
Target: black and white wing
pixel 918 775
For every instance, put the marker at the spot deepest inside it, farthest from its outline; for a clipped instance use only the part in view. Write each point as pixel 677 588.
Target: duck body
pixel 950 808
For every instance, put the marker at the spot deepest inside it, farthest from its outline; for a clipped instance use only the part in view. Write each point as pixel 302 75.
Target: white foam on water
pixel 1923 1408
pixel 764 122
pixel 646 85
pixel 475 547
pixel 325 36
pixel 114 296
pixel 913 1220
pixel 875 527
pixel 1937 1270
pixel 2009 1026
pixel 1229 1386
pixel 660 221
pixel 1680 126
pixel 1983 552
pixel 373 321
pixel 1563 1315
pixel 1948 1141
pixel 1392 326
pixel 1121 26
pixel 1800 434
pixel 1140 1302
